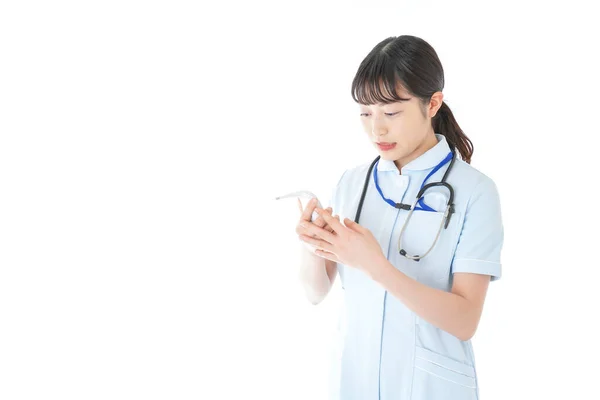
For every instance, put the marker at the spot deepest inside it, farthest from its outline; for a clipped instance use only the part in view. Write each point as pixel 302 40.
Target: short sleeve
pixel 482 235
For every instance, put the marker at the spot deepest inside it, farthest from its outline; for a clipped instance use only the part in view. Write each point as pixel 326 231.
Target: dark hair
pixel 411 63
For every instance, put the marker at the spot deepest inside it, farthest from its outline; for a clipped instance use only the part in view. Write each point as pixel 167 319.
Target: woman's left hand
pixel 352 245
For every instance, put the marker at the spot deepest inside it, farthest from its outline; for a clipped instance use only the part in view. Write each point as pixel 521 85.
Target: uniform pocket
pixel 421 233
pixel 435 200
pixel 439 377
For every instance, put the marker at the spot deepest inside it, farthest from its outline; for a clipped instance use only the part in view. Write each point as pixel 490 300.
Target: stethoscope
pixel 419 199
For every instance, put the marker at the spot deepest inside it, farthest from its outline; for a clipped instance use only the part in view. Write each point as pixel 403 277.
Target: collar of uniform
pixel 427 160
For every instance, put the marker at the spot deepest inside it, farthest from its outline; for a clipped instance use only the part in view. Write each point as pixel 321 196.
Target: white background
pixel 142 253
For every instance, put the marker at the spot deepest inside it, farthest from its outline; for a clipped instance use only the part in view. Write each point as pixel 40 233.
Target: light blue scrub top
pixel 386 350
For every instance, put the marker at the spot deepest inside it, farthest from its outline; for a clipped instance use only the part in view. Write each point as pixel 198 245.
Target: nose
pixel 378 131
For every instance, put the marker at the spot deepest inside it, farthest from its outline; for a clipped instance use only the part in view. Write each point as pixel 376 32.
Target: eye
pixel 388 114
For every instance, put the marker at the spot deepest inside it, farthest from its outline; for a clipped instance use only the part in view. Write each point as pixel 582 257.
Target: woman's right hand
pixel 305 217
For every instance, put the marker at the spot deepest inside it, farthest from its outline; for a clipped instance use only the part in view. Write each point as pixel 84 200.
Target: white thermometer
pixel 305 194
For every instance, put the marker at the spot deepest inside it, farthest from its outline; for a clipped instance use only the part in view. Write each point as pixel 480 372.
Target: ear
pixel 435 103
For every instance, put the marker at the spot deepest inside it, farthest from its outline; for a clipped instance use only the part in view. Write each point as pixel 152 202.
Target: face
pixel 407 124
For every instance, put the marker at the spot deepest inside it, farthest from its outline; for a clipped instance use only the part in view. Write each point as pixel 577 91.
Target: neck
pixel 427 144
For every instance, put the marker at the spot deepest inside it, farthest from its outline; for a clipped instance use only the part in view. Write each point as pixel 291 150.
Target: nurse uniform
pixel 386 350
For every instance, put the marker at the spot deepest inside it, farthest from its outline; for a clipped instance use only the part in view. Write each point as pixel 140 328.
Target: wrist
pixel 380 269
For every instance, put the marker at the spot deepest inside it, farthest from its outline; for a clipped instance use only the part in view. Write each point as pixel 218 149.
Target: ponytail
pixel 409 63
pixel 445 124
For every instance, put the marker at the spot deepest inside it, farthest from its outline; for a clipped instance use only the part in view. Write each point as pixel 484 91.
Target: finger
pixel 318 243
pixel 333 222
pixel 312 230
pixel 353 225
pixel 328 255
pixel 329 228
pixel 336 217
pixel 307 213
pixel 323 220
pixel 320 222
pixel 300 205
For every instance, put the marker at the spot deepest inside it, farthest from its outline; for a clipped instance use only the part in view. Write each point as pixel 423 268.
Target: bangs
pixel 377 83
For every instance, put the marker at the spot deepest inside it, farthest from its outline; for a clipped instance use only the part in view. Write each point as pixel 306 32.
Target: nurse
pixel 407 325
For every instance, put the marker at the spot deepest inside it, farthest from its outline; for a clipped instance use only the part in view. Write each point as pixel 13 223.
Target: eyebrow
pixel 398 101
pixel 387 104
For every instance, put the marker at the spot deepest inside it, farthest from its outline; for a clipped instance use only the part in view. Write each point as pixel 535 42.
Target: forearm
pixel 313 276
pixel 448 311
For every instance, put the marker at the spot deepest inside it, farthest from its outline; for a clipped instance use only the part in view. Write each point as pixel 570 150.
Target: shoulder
pixel 474 191
pixel 355 175
pixel 347 190
pixel 470 180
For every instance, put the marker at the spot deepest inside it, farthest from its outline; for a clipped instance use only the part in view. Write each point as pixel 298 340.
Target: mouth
pixel 386 146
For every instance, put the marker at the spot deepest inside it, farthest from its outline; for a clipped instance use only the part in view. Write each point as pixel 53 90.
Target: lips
pixel 386 146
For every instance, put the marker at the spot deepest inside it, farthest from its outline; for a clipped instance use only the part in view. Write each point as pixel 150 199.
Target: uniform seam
pixel 444 366
pixel 412 379
pixel 473 192
pixel 449 380
pixel 383 314
pixel 472 355
pixel 476 259
pixel 381 347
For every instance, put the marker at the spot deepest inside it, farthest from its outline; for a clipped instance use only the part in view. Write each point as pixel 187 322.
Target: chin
pixel 388 155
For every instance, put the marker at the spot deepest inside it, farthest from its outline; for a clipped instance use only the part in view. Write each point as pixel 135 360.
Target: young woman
pixel 415 236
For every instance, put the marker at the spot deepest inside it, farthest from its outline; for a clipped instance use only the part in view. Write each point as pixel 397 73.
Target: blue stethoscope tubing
pixel 451 157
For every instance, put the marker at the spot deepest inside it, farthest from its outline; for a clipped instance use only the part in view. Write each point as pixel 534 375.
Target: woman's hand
pixel 352 245
pixel 305 219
